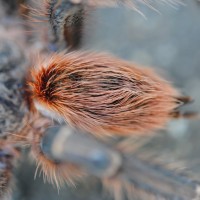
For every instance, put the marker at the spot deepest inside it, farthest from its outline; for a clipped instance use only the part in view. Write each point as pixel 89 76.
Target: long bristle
pixel 56 173
pixel 133 4
pixel 53 172
pixel 36 12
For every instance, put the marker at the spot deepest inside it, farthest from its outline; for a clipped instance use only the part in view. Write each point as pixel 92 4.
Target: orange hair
pixel 100 94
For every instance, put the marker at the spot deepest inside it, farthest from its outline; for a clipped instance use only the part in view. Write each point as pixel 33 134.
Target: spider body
pixel 101 94
pixel 93 92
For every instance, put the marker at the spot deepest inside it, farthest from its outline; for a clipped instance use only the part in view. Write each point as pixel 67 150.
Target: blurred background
pixel 169 41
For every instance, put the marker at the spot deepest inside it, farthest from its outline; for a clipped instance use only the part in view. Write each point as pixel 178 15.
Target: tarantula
pixel 99 95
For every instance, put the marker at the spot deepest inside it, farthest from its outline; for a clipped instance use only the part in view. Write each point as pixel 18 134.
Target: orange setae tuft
pixel 100 94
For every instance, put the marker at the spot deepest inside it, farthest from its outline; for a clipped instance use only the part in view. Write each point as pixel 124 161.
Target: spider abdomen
pixel 103 94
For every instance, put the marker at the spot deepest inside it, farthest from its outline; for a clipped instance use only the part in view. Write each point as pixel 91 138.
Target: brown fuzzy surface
pixel 100 94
